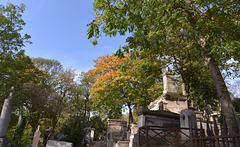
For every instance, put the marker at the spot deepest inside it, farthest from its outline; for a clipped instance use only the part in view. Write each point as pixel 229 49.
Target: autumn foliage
pixel 121 82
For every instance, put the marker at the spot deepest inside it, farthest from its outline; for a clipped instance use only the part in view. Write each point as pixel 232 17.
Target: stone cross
pixel 36 137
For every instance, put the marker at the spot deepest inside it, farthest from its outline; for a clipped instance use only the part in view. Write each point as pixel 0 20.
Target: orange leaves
pixel 111 74
pixel 122 81
pixel 106 64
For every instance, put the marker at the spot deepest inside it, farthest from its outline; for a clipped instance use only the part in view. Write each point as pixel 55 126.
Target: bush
pixel 74 131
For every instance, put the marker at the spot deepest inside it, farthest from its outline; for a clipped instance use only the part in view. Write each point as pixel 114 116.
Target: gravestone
pixel 53 143
pixel 170 100
pixel 187 120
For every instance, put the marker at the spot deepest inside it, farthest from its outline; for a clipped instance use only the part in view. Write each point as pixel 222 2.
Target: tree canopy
pixel 14 64
pixel 123 81
pixel 210 30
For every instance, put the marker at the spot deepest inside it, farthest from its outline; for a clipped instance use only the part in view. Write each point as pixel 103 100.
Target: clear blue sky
pixel 58 30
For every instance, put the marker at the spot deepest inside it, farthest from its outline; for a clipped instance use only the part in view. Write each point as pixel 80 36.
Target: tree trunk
pixel 223 94
pixel 85 109
pixel 130 115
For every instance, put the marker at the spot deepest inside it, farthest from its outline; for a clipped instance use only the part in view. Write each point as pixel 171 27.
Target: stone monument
pixel 53 143
pixel 187 120
pixel 157 118
pixel 5 118
pixel 36 137
pixel 116 131
pixel 165 110
pixel 89 137
pixel 133 139
pixel 170 100
pixel 92 134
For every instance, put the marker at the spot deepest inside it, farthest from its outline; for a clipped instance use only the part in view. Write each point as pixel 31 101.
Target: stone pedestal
pixel 3 142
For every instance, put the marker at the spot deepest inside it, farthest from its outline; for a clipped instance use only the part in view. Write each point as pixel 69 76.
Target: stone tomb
pixel 116 131
pixel 52 143
pixel 170 100
pixel 158 118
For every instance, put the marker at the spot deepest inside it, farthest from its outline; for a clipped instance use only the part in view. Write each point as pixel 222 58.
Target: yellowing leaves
pixel 120 81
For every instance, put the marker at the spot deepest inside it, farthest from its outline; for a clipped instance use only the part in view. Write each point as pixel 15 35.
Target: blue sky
pixel 58 30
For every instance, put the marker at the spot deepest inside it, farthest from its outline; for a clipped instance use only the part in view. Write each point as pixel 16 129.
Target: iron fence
pixel 151 136
pixel 215 135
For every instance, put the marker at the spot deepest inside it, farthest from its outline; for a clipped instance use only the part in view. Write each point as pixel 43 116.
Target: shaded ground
pixel 95 144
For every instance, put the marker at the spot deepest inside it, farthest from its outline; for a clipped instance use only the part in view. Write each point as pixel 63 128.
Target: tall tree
pixel 212 26
pixel 13 61
pixel 35 97
pixel 15 66
pixel 123 81
pixel 85 84
pixel 61 82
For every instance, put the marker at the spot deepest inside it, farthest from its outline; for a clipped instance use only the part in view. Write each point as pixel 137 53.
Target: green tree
pixel 74 129
pixel 100 126
pixel 15 67
pixel 13 61
pixel 212 26
pixel 34 98
pixel 123 82
pixel 50 68
pixel 85 84
pixel 61 82
pixel 200 85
